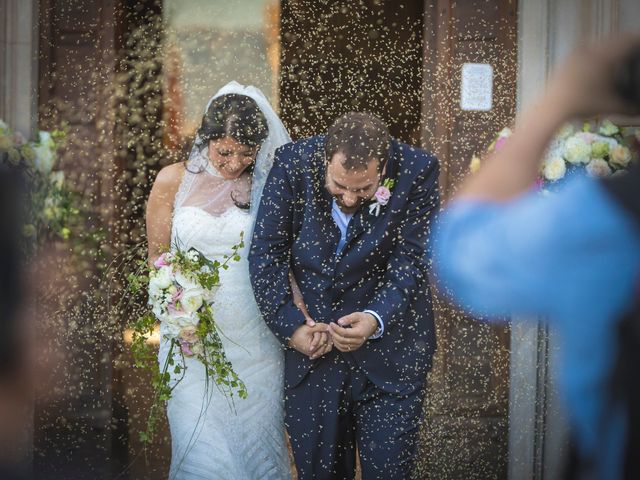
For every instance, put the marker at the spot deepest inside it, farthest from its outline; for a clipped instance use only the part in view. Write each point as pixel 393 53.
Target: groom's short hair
pixel 360 137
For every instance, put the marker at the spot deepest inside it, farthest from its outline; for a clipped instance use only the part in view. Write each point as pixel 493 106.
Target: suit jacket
pixel 383 266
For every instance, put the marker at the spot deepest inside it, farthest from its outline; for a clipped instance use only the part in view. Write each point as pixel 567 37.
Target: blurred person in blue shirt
pixel 572 257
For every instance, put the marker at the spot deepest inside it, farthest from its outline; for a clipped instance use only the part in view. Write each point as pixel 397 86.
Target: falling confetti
pixel 131 83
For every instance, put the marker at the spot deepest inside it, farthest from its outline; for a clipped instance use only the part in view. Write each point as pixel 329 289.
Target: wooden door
pixel 466 430
pixel 345 55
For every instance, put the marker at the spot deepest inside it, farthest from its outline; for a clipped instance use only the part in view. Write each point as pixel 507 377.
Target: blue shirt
pixel 573 257
pixel 342 221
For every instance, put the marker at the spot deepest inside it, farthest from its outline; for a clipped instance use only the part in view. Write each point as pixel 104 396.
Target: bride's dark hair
pixel 236 116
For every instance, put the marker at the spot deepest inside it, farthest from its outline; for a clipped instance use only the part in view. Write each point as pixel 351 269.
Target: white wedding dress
pixel 211 437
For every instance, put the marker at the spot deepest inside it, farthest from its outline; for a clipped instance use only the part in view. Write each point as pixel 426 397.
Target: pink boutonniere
pixel 382 196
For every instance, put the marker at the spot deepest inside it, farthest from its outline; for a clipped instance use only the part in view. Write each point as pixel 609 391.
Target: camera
pixel 627 79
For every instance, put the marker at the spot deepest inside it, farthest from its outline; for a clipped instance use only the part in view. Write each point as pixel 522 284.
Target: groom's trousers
pixel 336 407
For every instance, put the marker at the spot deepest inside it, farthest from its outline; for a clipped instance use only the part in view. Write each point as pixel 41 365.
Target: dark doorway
pixel 345 55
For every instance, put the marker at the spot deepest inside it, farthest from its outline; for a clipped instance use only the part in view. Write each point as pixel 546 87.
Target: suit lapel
pixel 357 225
pixel 362 218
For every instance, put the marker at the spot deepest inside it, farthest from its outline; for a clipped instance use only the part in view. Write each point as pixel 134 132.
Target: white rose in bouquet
pixel 162 278
pixel 577 150
pixel 619 156
pixel 179 319
pixel 192 299
pixel 554 169
pixel 598 168
pixel 186 281
pixel 44 153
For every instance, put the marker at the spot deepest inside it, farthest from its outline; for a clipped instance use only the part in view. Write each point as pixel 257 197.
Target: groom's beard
pixel 344 208
pixel 348 210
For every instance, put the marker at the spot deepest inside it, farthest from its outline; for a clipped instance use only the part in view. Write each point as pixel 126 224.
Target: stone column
pixel 19 64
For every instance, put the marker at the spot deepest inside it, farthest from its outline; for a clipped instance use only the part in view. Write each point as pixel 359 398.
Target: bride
pixel 207 203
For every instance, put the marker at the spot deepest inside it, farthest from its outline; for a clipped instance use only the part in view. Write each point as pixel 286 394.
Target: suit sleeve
pixel 270 254
pixel 409 262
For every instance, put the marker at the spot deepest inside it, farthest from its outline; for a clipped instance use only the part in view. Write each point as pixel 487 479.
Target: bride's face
pixel 229 157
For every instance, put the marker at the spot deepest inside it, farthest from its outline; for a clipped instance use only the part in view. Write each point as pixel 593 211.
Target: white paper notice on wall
pixel 476 88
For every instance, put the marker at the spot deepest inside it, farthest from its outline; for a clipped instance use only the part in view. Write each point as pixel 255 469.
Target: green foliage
pixel 53 210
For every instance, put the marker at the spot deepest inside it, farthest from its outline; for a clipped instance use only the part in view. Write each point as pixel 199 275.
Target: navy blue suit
pixel 341 397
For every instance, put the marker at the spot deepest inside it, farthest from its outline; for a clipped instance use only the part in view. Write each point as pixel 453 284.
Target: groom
pixel 359 255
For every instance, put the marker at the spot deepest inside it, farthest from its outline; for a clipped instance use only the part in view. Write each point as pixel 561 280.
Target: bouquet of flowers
pixel 181 286
pixel 52 207
pixel 600 149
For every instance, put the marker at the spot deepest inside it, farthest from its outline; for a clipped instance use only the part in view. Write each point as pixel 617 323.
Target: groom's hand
pixel 351 331
pixel 311 339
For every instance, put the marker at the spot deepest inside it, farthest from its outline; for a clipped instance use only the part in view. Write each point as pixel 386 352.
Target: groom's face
pixel 351 187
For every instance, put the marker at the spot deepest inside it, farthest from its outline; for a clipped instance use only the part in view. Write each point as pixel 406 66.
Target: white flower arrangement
pixel 554 168
pixel 600 149
pixel 53 206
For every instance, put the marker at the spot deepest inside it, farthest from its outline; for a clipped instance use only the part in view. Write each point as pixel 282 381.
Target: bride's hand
pixel 321 343
pixel 298 300
pixel 302 340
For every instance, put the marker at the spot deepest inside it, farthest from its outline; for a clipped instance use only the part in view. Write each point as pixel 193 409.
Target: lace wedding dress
pixel 211 437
